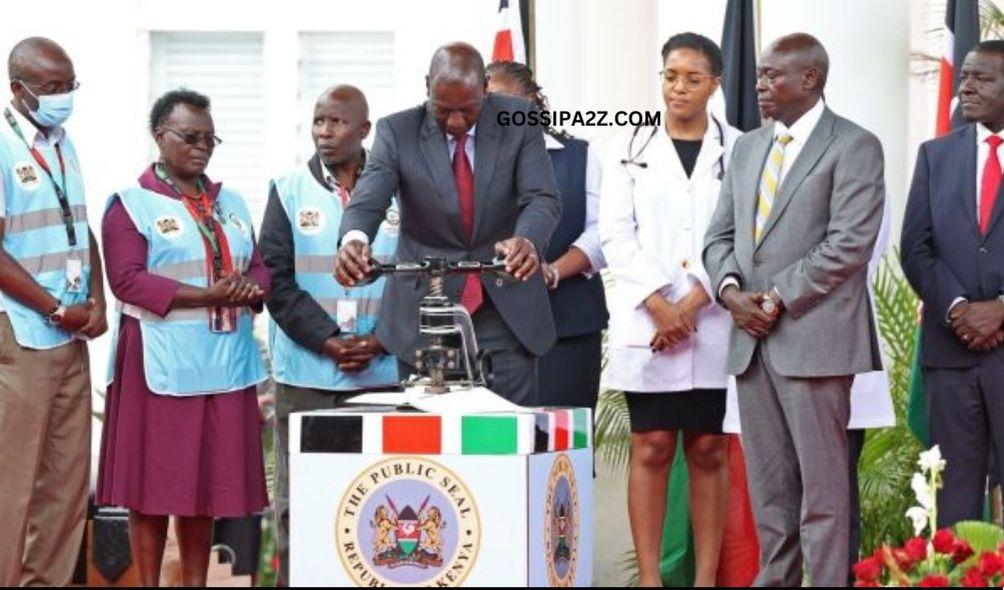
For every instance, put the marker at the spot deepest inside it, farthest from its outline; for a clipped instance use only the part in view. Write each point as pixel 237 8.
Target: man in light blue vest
pixel 51 300
pixel 322 337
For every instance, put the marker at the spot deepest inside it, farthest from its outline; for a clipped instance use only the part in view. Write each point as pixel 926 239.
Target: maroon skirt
pixel 182 456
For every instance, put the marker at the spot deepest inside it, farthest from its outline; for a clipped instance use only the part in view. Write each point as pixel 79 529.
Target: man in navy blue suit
pixel 953 255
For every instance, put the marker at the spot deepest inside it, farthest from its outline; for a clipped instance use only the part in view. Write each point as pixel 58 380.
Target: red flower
pixel 867 585
pixel 990 564
pixel 934 581
pixel 903 560
pixel 962 551
pixel 867 570
pixel 973 579
pixel 916 549
pixel 944 541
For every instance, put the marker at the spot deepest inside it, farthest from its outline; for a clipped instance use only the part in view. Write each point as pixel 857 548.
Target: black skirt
pixel 697 410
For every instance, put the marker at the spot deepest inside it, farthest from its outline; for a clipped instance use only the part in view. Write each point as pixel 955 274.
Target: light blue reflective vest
pixel 181 355
pixel 315 213
pixel 36 235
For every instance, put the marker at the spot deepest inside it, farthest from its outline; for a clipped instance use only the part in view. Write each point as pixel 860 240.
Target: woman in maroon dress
pixel 194 457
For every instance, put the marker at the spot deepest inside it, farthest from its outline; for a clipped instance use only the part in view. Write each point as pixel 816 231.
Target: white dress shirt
pixel 799 131
pixel 982 154
pixel 451 146
pixel 589 241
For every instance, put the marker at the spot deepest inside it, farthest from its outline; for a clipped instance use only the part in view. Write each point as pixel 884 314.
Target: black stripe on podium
pixel 541 432
pixel 331 434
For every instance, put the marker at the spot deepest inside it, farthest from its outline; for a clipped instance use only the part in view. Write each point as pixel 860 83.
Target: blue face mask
pixel 53 109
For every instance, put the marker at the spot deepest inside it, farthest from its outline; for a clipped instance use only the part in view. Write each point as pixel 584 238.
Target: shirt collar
pixel 331 179
pixel 801 129
pixel 33 134
pixel 470 134
pixel 151 182
pixel 551 143
pixel 982 133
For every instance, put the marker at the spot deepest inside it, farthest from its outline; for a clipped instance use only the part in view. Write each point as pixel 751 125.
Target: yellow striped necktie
pixel 769 181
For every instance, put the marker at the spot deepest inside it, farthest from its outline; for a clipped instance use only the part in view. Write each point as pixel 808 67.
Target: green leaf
pixel 981 536
pixel 889 457
pixel 613 430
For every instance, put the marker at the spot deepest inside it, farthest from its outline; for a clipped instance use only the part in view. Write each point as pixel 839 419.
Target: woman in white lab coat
pixel 668 339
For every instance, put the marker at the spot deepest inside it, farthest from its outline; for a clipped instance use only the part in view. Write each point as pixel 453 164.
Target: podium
pixel 385 496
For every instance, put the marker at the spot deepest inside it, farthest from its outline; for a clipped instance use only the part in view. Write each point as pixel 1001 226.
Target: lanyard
pixel 64 201
pixel 202 215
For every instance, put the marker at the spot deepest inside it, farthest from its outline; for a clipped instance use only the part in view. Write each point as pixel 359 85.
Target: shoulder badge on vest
pixel 26 175
pixel 235 220
pixel 169 226
pixel 310 220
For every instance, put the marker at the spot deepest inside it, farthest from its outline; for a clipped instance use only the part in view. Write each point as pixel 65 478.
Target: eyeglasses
pixel 52 87
pixel 196 138
pixel 691 82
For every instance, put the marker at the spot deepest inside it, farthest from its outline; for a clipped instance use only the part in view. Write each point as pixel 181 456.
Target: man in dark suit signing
pixel 469 188
pixel 953 255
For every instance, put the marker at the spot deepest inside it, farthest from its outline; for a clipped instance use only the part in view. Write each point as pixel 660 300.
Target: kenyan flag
pixel 407 532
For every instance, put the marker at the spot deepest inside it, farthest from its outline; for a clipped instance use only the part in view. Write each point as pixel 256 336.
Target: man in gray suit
pixel 788 246
pixel 469 188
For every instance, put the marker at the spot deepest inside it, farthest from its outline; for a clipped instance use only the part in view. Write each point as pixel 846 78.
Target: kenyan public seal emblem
pixel 561 523
pixel 408 521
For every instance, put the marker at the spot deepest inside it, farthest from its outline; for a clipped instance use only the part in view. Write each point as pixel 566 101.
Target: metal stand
pixel 439 319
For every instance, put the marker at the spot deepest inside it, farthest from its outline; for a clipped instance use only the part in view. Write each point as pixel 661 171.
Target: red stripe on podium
pixel 412 434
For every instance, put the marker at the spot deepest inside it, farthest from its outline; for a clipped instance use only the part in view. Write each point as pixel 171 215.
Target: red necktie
pixel 471 297
pixel 991 181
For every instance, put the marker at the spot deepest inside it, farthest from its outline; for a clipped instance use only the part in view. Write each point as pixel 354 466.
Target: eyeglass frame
pixel 686 80
pixel 44 90
pixel 194 139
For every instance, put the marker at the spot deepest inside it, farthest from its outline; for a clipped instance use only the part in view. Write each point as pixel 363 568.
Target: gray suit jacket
pixel 815 249
pixel 514 195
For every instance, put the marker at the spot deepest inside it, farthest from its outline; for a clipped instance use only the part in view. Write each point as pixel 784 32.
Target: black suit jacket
pixel 944 255
pixel 514 195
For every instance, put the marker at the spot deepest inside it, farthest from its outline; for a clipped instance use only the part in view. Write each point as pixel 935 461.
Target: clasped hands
pixel 746 308
pixel 234 290
pixel 978 325
pixel 87 319
pixel 674 322
pixel 354 353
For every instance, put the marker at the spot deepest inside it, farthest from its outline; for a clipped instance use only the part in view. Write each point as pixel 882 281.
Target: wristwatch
pixel 56 316
pixel 768 306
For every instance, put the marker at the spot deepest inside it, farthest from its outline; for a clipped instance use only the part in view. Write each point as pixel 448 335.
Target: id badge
pixel 74 276
pixel 347 312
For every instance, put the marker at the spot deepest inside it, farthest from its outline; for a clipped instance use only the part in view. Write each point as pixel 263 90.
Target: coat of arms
pixel 407 537
pixel 408 521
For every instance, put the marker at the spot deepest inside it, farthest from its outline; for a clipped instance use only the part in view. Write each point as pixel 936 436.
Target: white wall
pixel 109 44
pixel 591 54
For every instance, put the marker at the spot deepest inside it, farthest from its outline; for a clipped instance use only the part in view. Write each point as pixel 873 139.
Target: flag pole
pixel 531 47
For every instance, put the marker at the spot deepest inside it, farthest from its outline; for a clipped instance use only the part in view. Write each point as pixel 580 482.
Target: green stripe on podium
pixel 581 427
pixel 489 435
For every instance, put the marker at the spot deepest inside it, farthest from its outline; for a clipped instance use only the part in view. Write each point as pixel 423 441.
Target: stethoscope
pixel 632 159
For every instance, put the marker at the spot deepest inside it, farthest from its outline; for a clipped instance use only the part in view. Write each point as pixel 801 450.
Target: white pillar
pixel 599 55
